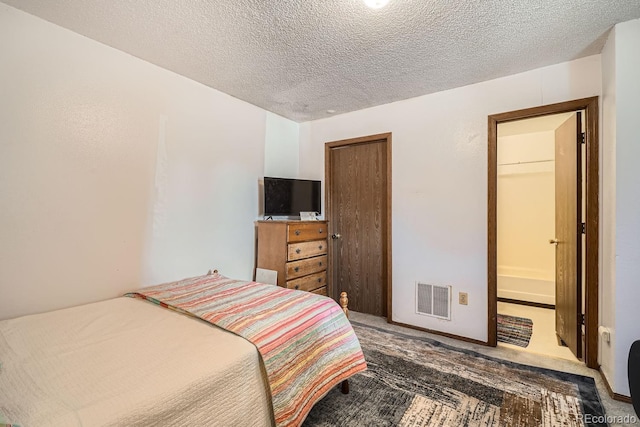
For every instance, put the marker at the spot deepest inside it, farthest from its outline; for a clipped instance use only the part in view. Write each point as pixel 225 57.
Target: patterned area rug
pixel 514 330
pixel 418 382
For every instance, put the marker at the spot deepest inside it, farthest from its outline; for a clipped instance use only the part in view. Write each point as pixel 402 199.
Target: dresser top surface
pixel 293 221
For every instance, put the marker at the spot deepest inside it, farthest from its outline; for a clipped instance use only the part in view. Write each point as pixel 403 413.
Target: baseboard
pixel 527 303
pixel 443 334
pixel 614 395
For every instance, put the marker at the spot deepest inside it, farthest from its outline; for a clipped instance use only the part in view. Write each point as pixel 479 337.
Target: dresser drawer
pixel 306 231
pixel 306 266
pixel 306 249
pixel 309 283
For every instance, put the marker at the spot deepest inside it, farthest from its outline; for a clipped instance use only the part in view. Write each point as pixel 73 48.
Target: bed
pixel 153 357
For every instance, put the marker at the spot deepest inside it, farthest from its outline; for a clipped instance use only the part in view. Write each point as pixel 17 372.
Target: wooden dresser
pixel 297 250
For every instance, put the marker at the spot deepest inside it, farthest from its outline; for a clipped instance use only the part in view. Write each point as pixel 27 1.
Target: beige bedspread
pixel 128 362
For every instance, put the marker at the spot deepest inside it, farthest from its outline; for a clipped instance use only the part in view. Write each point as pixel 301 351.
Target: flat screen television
pixel 289 197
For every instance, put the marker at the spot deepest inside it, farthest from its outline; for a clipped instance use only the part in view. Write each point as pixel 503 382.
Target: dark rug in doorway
pixel 415 381
pixel 514 330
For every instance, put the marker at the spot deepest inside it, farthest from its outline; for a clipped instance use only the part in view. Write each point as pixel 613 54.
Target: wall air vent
pixel 433 300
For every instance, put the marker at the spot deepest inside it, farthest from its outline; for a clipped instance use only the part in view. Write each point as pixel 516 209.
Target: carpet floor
pixel 514 330
pixel 414 381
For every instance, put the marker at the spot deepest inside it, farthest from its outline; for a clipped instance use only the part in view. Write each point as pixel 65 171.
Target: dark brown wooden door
pixel 569 234
pixel 357 214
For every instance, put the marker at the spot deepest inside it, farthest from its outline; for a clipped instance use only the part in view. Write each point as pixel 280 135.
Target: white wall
pixel 607 290
pixel 621 117
pixel 627 196
pixel 439 179
pixel 86 214
pixel 281 147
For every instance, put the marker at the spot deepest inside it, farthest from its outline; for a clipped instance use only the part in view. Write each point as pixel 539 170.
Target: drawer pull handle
pixel 297 232
pixel 296 269
pixel 320 231
pixel 319 279
pixel 298 250
pixel 320 263
pixel 297 286
pixel 320 247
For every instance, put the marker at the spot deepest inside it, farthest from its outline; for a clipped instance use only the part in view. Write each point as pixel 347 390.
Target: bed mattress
pixel 128 362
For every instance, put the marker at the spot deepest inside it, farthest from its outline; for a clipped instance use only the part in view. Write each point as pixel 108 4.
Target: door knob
pixel 553 242
pixel 335 236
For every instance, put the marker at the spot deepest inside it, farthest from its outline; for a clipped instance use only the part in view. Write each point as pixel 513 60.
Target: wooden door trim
pixel 591 175
pixel 386 138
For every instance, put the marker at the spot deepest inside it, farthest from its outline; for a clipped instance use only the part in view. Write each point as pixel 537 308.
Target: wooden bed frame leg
pixel 344 302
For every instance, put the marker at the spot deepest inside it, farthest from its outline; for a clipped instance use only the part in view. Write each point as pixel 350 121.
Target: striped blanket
pixel 306 342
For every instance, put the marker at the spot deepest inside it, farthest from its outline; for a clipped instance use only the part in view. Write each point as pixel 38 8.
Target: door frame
pixel 386 138
pixel 591 175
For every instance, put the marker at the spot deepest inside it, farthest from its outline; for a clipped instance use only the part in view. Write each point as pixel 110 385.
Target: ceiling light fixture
pixel 376 4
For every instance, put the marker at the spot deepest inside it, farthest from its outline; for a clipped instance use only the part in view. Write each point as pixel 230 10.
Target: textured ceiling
pixel 300 58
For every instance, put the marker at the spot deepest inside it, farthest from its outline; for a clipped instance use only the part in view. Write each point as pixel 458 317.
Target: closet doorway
pixel 537 205
pixel 543 216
